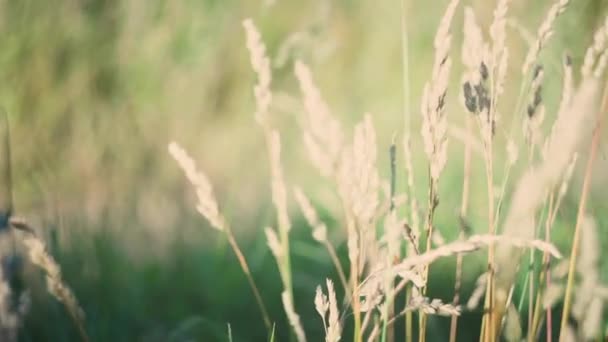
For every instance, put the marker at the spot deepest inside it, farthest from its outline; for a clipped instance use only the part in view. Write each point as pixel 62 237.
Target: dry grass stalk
pixel 534 184
pixel 427 306
pixel 279 191
pixel 323 135
pixel 583 200
pixel 434 123
pixel 293 317
pixel 597 49
pixel 333 330
pixel 263 97
pixel 207 205
pixel 208 208
pixel 587 307
pixel 545 31
pixel 56 286
pixel 261 65
pixel 535 111
pixel 555 200
pixel 358 177
pixel 469 245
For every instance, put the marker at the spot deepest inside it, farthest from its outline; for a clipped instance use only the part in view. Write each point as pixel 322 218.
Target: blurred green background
pixel 95 89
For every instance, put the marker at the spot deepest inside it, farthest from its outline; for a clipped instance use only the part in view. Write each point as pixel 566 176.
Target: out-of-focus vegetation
pixel 95 89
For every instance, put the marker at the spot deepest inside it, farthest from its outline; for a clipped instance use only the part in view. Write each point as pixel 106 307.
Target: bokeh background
pixel 95 89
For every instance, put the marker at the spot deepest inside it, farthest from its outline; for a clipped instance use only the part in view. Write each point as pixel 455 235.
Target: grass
pixel 136 276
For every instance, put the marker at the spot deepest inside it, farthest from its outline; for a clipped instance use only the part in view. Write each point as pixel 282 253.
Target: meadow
pixel 303 171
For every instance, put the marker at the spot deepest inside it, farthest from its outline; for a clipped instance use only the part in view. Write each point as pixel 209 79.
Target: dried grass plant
pixel 391 240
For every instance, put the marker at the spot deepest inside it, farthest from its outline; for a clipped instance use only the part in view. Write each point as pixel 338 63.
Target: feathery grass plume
pixel 359 186
pixel 319 232
pixel 273 243
pixel 279 192
pixel 474 51
pixel 261 65
pixel 359 182
pixel 545 31
pixel 434 125
pixel 566 98
pixel 434 122
pixel 323 135
pixel 593 151
pixel 563 188
pixel 321 305
pixel 292 316
pixel 469 245
pixel 427 306
pixel 56 286
pixel 499 54
pixel 263 98
pixel 207 205
pixel 478 292
pixel 392 235
pixel 208 208
pixel 512 330
pixel 555 199
pixel 600 40
pixel 587 307
pixel 531 189
pixel 552 295
pixel 535 110
pixel 334 330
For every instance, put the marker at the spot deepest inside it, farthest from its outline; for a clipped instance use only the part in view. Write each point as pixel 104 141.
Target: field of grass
pixel 123 115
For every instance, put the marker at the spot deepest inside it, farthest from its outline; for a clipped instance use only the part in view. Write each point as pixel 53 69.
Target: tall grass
pixel 386 242
pixel 379 228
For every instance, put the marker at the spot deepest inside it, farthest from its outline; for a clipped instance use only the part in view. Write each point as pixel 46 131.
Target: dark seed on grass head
pixel 470 101
pixel 441 102
pixel 483 70
pixel 568 60
pixel 536 101
pixel 531 111
pixel 537 97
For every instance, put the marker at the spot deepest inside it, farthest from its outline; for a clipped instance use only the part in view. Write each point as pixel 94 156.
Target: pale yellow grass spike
pixel 207 205
pixel 323 135
pixel 530 191
pixel 261 65
pixel 319 228
pixel 279 191
pixel 600 40
pixel 321 305
pixel 434 122
pixel 545 31
pixel 334 329
pixel 587 305
pixel 293 317
pixel 471 244
pixel 56 286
